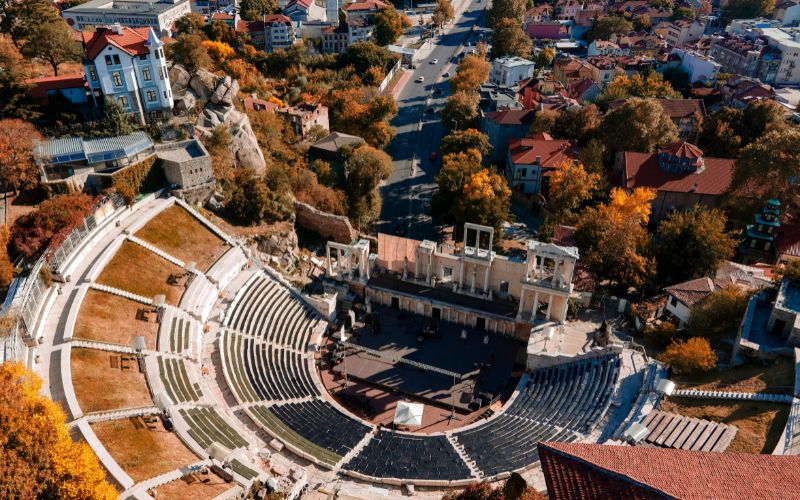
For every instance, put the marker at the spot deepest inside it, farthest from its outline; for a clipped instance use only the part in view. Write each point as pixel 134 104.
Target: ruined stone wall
pixel 329 226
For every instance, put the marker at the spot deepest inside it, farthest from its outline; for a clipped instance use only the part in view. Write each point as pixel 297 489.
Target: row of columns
pixel 562 316
pixel 560 278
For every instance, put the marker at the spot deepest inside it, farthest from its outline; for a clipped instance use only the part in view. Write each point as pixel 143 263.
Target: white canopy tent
pixel 409 414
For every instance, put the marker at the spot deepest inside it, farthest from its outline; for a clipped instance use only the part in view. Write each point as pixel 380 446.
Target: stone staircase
pixel 167 477
pixel 103 346
pixel 473 468
pixel 356 449
pixel 102 416
pixel 121 293
pixel 161 253
pixel 740 396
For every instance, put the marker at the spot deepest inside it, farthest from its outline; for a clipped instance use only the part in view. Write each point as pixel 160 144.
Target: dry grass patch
pixel 179 234
pixel 141 452
pixel 750 377
pixel 760 424
pixel 108 317
pixel 140 271
pixel 196 486
pixel 100 386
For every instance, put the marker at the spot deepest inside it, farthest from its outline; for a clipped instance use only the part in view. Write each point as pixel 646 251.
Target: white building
pixel 279 32
pixel 336 39
pixel 128 65
pixel 157 14
pixel 700 68
pixel 508 71
pixel 684 30
pixel 787 41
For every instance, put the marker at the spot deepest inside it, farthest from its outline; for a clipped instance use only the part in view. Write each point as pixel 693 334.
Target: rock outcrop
pixel 219 94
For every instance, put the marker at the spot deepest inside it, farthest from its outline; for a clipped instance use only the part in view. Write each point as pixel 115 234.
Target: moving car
pixel 434 61
pixel 446 74
pixel 420 79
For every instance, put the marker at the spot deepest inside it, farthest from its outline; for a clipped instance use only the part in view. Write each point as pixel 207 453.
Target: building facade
pixel 157 14
pixel 508 71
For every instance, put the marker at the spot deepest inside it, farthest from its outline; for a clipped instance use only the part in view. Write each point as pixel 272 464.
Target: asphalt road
pixel 407 192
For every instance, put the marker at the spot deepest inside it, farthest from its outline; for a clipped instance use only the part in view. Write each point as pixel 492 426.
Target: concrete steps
pixel 740 396
pixel 161 253
pixel 102 416
pixel 473 467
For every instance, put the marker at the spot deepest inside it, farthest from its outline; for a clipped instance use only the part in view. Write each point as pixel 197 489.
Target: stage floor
pixel 399 337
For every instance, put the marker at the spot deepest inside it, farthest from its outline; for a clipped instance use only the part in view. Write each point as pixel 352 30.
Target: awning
pixel 408 414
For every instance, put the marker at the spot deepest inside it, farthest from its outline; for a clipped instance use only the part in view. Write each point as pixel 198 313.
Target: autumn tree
pixel 218 144
pixel 366 167
pixel 641 22
pixel 191 24
pixel 15 71
pixel 443 12
pixel 789 271
pixel 51 221
pixel 764 169
pixel 545 57
pixel 17 167
pixel 22 20
pixel 726 131
pixel 613 239
pixel 307 188
pixel 691 244
pixel 255 10
pixel 464 140
pixel 606 26
pixel 219 52
pixel 363 112
pixel 507 9
pixel 486 200
pixel 253 200
pixel 747 9
pixel 471 72
pixel 220 31
pixel 719 314
pixel 461 110
pixel 457 169
pixel 508 39
pixel 543 121
pixel 651 85
pixel 362 56
pixel 578 123
pixel 389 25
pixel 189 51
pixel 6 267
pixel 38 459
pixel 570 186
pixel 637 125
pixel 53 44
pixel 690 356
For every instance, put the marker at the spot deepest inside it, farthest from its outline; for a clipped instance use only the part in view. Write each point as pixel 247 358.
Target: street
pixel 407 192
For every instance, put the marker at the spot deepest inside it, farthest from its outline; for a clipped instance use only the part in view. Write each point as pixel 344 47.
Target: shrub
pixel 50 223
pixel 130 181
pixel 690 356
pixel 663 333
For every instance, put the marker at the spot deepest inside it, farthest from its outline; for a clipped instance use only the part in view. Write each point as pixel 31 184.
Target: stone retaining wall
pixel 329 226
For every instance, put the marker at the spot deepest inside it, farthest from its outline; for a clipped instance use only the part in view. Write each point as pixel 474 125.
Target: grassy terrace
pixel 141 452
pixel 179 234
pixel 196 486
pixel 100 387
pixel 142 272
pixel 110 318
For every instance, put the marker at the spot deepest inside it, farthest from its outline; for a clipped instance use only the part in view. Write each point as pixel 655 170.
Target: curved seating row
pixel 257 371
pixel 267 309
pixel 207 427
pixel 558 403
pixel 176 380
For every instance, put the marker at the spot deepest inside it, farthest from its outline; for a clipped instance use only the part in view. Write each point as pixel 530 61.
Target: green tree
pixel 578 123
pixel 683 13
pixel 366 167
pixel 719 314
pixel 641 23
pixel 543 121
pixel 54 44
pixel 22 20
pixel 691 356
pixel 719 133
pixel 254 200
pixel 508 39
pixel 189 51
pixel 606 26
pixel 115 121
pixel 389 25
pixel 691 244
pixel 678 79
pixel 646 127
pixel 545 57
pixel 747 9
pixel 15 71
pixel 507 9
pixel 463 140
pixel 254 10
pixel 760 117
pixel 362 56
pixel 461 110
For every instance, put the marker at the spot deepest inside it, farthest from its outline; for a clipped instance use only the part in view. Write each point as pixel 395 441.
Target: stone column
pixel 535 306
pixel 486 279
pixel 416 266
pixel 549 306
pixel 521 302
pixel 564 308
pixel 461 274
pixel 472 281
pixel 430 263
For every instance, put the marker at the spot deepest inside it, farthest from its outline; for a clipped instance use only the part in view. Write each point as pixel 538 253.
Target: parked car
pixel 446 74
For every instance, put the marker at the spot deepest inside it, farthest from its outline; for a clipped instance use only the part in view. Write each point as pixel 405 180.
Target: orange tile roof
pixel 643 170
pixel 675 473
pixel 131 41
pixel 40 86
pixel 365 5
pixel 551 152
pixel 693 291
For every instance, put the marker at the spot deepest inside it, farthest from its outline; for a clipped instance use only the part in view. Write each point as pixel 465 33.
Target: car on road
pixel 434 61
pixel 446 74
pixel 433 156
pixel 420 79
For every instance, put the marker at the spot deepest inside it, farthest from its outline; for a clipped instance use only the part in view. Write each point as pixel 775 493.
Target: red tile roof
pixel 674 108
pixel 789 239
pixel 645 472
pixel 551 152
pixel 693 291
pixel 365 5
pixel 683 150
pixel 511 116
pixel 221 16
pixel 643 170
pixel 40 86
pixel 131 40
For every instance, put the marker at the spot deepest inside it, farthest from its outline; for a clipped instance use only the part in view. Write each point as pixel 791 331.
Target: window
pixel 146 74
pixel 108 61
pixel 674 302
pixel 151 95
pixel 160 73
pixel 92 73
pixel 165 94
pixel 117 77
pixel 116 59
pixel 123 101
pixel 158 55
pixel 143 57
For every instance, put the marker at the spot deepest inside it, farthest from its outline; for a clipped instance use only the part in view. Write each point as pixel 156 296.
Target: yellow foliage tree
pixel 636 204
pixel 471 72
pixel 219 51
pixel 691 356
pixel 570 185
pixel 37 456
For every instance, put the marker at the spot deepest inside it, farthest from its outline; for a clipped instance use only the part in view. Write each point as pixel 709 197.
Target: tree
pixel 366 167
pixel 254 10
pixel 747 9
pixel 363 112
pixel 472 71
pixel 50 222
pixel 613 239
pixel 683 13
pixel 764 168
pixel 252 201
pixel 543 121
pixel 578 123
pixel 220 31
pixel 307 189
pixel 719 314
pixel 442 13
pixel 606 26
pixel 719 134
pixel 760 117
pixel 641 22
pixel 191 24
pixel 515 488
pixel 591 156
pixel 218 51
pixel 691 356
pixel 678 79
pixel 790 271
pixel 15 71
pixel 508 39
pixel 486 200
pixel 545 57
pixel 189 51
pixel 17 167
pixel 463 140
pixel 646 127
pixel 22 20
pixel 115 121
pixel 461 110
pixel 457 169
pixel 6 267
pixel 362 56
pixel 218 144
pixel 691 244
pixel 38 458
pixel 53 43
pixel 570 186
pixel 389 25
pixel 651 85
pixel 507 9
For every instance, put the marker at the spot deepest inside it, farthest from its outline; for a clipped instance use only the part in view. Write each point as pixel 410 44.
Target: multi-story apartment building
pixel 157 14
pixel 508 71
pixel 682 31
pixel 128 65
pixel 337 39
pixel 770 54
pixel 738 55
pixel 279 32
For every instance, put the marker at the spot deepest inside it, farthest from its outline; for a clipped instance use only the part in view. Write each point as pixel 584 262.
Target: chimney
pixel 116 28
pixel 538 160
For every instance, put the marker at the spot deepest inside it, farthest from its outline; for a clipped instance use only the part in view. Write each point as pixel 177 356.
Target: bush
pixel 690 356
pixel 50 223
pixel 719 314
pixel 663 333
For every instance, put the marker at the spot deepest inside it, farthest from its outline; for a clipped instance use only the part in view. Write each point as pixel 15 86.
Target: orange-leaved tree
pixel 17 168
pixel 570 186
pixel 37 457
pixel 691 356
